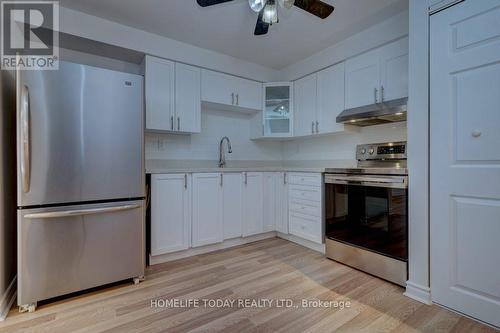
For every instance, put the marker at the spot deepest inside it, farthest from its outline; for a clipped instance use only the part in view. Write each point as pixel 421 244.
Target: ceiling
pixel 228 28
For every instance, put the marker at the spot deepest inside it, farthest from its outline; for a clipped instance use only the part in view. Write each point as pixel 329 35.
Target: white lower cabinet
pixel 170 213
pixel 207 209
pixel 232 187
pixel 253 217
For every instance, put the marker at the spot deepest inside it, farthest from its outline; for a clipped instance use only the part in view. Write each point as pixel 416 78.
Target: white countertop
pixel 191 166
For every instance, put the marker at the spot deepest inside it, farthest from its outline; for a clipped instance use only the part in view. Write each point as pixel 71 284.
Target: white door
pixel 331 95
pixel 170 213
pixel 394 70
pixel 248 94
pixel 207 209
pixel 465 159
pixel 232 186
pixel 362 80
pixel 218 88
pixel 159 91
pixel 270 203
pixel 282 203
pixel 305 95
pixel 253 218
pixel 187 98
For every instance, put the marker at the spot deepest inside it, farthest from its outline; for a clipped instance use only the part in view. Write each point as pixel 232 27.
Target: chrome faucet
pixel 222 157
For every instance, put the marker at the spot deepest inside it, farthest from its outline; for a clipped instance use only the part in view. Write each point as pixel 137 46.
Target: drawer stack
pixel 305 206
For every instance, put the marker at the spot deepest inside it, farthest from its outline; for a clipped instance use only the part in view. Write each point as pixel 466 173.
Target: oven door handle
pixel 374 181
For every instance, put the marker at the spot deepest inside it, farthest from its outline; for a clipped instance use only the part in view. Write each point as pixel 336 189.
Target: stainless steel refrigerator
pixel 80 174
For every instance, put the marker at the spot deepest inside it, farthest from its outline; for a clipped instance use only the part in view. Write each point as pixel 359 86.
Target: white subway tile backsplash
pixel 216 124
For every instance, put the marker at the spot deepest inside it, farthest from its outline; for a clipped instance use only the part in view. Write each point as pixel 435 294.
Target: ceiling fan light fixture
pixel 270 15
pixel 257 5
pixel 287 4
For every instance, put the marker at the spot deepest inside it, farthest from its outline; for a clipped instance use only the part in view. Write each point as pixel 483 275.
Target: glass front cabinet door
pixel 278 113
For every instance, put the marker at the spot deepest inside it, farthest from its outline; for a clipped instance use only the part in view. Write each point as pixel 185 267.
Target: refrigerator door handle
pixel 80 212
pixel 25 139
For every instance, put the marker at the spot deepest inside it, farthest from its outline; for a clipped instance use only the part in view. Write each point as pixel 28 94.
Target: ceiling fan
pixel 268 10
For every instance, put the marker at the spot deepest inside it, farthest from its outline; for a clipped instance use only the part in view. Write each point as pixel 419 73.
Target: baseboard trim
pixel 418 292
pixel 8 299
pixel 304 242
pixel 163 258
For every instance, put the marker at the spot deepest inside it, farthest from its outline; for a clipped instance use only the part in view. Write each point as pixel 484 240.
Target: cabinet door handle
pixel 375 94
pixel 221 180
pixel 172 123
pixel 317 127
pixel 232 98
pixel 246 178
pixel 238 99
pixel 284 178
pixel 312 127
pixel 382 93
pixel 178 123
pixel 185 181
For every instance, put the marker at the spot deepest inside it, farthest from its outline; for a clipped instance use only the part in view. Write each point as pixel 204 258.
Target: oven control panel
pixel 381 151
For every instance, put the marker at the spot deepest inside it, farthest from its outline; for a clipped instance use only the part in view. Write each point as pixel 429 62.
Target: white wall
pixel 101 30
pixel 205 145
pixel 418 285
pixel 341 146
pixel 385 32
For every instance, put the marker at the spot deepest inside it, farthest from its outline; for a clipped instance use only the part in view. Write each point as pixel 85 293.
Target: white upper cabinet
pixel 378 75
pixel 305 98
pixel 160 94
pixel 172 96
pixel 187 98
pixel 207 209
pixel 394 70
pixel 170 213
pixel 232 186
pixel 362 80
pixel 230 91
pixel 278 109
pixel 330 99
pixel 253 192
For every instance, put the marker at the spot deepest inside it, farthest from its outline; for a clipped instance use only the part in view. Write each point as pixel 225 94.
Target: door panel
pixel 160 90
pixel 207 209
pixel 232 205
pixel 170 213
pixel 86 135
pixel 305 94
pixel 249 94
pixel 71 252
pixel 187 98
pixel 465 164
pixel 394 70
pixel 253 218
pixel 270 201
pixel 217 88
pixel 331 95
pixel 362 75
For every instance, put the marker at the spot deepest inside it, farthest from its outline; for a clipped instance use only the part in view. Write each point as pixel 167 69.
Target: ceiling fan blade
pixel 315 7
pixel 261 27
pixel 206 3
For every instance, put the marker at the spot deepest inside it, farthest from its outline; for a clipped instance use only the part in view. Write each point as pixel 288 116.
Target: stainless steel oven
pixel 366 217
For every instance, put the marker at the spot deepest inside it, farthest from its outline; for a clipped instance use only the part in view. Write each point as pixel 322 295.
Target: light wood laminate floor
pixel 271 269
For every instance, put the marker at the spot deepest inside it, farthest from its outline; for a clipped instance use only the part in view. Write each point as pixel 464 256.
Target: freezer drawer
pixel 68 249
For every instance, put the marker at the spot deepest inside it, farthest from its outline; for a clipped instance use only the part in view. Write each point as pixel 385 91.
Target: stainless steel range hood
pixel 380 113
